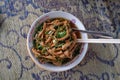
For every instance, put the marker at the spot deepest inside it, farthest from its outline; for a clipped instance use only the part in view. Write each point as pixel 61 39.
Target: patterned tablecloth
pixel 101 61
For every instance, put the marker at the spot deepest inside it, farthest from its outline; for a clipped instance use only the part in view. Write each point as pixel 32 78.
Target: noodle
pixel 55 42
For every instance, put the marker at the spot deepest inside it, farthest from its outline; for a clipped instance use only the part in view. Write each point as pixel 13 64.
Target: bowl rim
pixel 58 68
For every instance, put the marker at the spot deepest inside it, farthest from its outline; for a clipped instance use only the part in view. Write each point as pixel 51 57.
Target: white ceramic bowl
pixel 73 62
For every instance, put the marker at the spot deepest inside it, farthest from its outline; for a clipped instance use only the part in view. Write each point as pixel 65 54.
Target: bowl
pixel 72 63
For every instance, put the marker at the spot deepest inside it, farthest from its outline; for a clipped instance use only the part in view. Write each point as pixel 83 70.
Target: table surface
pixel 101 61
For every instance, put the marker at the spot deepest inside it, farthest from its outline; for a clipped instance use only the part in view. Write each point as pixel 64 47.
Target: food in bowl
pixel 68 63
pixel 55 42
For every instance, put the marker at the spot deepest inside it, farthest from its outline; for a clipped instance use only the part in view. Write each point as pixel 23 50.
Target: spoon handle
pixel 98 41
pixel 99 34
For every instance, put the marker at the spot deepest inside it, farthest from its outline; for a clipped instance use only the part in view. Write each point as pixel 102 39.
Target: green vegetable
pixel 46 32
pixel 40 47
pixel 61 34
pixel 40 27
pixel 59 45
pixel 34 43
pixel 44 50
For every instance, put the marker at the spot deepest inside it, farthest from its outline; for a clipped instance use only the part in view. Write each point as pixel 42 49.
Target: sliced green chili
pixel 40 47
pixel 40 27
pixel 61 34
